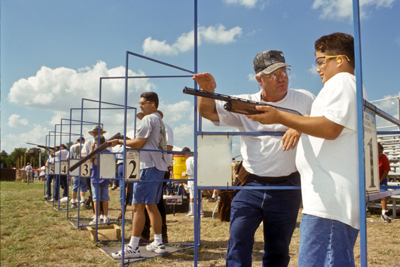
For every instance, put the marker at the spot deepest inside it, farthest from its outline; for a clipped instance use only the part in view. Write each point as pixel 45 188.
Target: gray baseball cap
pixel 269 61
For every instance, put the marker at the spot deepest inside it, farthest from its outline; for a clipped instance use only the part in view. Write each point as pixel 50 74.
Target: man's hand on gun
pixel 270 115
pixel 113 142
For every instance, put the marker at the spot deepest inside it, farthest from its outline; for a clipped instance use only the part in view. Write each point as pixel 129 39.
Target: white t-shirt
pixel 170 142
pixel 73 151
pixel 329 168
pixel 63 154
pixel 152 128
pixel 87 146
pixel 264 155
pixel 28 168
pixel 50 159
pixel 190 171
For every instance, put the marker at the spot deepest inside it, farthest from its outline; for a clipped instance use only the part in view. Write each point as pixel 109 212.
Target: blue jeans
pixel 326 242
pixel 128 198
pixel 56 186
pixel 278 209
pixel 48 185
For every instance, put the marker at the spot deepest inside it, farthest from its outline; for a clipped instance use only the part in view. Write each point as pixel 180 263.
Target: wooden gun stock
pixel 235 104
pixel 94 152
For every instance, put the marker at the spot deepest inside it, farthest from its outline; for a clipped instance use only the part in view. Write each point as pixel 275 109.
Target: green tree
pixel 17 153
pixel 3 158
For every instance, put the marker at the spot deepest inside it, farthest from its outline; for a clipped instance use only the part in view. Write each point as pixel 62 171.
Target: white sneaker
pixel 157 248
pixel 129 252
pixel 64 200
pixel 106 220
pixel 190 214
pixel 93 222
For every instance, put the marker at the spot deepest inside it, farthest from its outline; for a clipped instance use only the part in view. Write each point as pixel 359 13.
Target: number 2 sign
pixel 132 168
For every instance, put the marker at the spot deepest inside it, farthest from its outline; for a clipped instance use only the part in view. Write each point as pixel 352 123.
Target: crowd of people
pixel 318 151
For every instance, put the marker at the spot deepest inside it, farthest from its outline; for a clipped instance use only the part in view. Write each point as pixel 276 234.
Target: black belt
pixel 273 180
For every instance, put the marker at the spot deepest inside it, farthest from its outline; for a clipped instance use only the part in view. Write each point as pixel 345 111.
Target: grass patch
pixel 35 234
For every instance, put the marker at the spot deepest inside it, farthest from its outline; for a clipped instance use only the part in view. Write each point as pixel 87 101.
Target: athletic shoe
pixel 83 205
pixel 129 252
pixel 385 218
pixel 106 220
pixel 51 200
pixel 73 206
pixel 190 214
pixel 113 187
pixel 93 222
pixel 157 248
pixel 64 200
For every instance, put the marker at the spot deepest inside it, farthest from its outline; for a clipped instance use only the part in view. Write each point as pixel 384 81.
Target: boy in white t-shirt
pixel 327 157
pixel 190 174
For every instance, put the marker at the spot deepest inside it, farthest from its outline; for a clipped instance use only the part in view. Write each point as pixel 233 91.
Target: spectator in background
pixel 28 171
pixel 190 174
pixel 384 168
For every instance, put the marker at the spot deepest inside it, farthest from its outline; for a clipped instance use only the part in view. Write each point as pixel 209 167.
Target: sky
pixel 53 54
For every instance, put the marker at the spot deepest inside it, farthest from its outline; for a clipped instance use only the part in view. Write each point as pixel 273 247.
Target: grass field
pixel 33 233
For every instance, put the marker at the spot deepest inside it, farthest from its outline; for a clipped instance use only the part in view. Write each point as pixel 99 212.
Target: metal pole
pixel 360 130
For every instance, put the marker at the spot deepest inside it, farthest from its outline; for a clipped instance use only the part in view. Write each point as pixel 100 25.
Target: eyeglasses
pixel 284 74
pixel 320 62
pixel 145 102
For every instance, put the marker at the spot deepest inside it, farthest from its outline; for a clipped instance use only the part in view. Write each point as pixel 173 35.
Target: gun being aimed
pixel 235 104
pixel 94 152
pixel 44 147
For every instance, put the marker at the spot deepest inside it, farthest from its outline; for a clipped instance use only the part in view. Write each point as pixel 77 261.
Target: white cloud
pixel 36 136
pixel 182 133
pixel 343 9
pixel 251 77
pixel 185 42
pixel 313 69
pixel 150 45
pixel 246 3
pixel 14 121
pixel 176 112
pixel 62 88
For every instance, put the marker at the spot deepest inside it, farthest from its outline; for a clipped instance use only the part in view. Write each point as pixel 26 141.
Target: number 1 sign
pixel 132 168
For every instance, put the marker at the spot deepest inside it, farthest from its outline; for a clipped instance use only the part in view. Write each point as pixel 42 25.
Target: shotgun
pixel 94 152
pixel 44 147
pixel 235 104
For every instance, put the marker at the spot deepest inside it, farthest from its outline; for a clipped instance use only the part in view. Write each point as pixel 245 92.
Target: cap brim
pixel 274 67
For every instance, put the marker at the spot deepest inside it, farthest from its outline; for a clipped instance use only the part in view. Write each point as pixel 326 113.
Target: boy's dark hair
pixel 151 96
pixel 380 147
pixel 186 149
pixel 337 43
